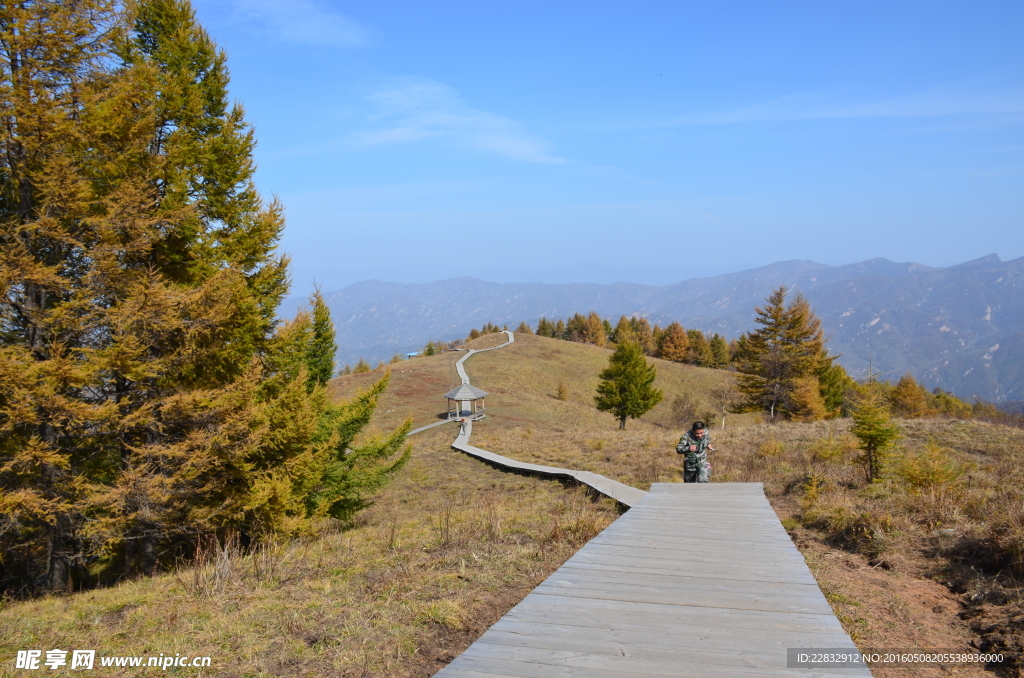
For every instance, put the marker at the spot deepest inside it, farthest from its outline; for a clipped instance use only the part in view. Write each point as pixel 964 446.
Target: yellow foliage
pixel 770 448
pixel 447 613
pixel 833 447
pixel 931 468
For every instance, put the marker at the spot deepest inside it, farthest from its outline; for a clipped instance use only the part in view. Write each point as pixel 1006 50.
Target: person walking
pixel 694 445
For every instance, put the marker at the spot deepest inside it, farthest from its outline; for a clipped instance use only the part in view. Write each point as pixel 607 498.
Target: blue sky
pixel 642 141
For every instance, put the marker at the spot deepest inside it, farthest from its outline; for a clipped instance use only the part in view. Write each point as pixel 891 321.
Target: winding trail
pixel 624 494
pixel 696 580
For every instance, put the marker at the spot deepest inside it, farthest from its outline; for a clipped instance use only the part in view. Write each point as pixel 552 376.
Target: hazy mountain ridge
pixel 960 327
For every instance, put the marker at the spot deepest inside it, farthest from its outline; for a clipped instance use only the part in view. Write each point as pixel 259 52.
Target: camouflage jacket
pixel 694 461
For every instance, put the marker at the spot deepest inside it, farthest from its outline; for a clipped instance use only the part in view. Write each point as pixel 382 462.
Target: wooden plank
pixel 539 663
pixel 657 596
pixel 581 611
pixel 689 577
pixel 429 426
pixel 668 644
pixel 768 602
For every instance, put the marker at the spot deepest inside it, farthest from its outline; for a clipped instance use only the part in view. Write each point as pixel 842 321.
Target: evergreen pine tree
pixel 657 333
pixel 623 331
pixel 674 344
pixel 320 359
pixel 524 328
pixel 908 399
pixel 560 332
pixel 69 133
pixel 594 330
pixel 361 367
pixel 627 387
pixel 874 428
pixel 807 404
pixel 786 348
pixel 700 350
pixel 719 350
pixel 738 350
pixel 643 334
pixel 576 328
pixel 834 383
pixel 545 328
pixel 143 382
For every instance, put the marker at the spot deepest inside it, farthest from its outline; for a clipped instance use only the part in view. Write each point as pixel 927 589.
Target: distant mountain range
pixel 960 328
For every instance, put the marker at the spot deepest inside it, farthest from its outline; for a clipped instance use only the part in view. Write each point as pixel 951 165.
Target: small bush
pixel 852 528
pixel 562 393
pixel 812 488
pixel 771 448
pixel 931 468
pixel 1009 540
pixel 833 447
pixel 447 613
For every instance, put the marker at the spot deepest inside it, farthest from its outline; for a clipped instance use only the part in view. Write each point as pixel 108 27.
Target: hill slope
pixel 873 549
pixel 960 328
pixel 451 544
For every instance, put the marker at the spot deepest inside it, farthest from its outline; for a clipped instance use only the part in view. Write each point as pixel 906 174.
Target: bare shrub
pixel 213 567
pixel 855 528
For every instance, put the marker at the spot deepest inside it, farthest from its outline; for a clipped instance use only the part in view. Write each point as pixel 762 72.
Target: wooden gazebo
pixel 463 402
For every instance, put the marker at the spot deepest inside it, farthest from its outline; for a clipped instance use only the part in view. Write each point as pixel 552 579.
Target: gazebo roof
pixel 465 392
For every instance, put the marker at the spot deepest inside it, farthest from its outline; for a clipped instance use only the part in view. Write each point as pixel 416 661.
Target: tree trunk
pixel 141 553
pixel 58 569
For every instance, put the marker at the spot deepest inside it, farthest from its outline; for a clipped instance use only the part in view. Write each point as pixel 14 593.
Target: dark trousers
pixel 690 476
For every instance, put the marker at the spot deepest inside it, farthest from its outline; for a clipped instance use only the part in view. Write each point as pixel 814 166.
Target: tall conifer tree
pixel 145 397
pixel 65 126
pixel 623 331
pixel 719 350
pixel 674 343
pixel 320 359
pixel 784 353
pixel 700 350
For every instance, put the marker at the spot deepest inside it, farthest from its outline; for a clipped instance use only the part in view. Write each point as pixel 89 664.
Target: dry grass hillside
pixel 528 422
pixel 452 543
pixel 928 558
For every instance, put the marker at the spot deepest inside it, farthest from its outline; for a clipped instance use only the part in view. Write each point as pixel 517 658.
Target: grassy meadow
pixel 922 559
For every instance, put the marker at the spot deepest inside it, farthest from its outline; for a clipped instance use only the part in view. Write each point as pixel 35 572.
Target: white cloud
pixel 303 21
pixel 413 109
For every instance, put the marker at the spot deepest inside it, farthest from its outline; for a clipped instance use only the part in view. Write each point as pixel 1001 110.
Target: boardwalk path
pixel 622 493
pixel 695 580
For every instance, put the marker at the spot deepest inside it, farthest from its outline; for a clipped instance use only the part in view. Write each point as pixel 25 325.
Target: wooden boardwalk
pixel 624 494
pixel 695 580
